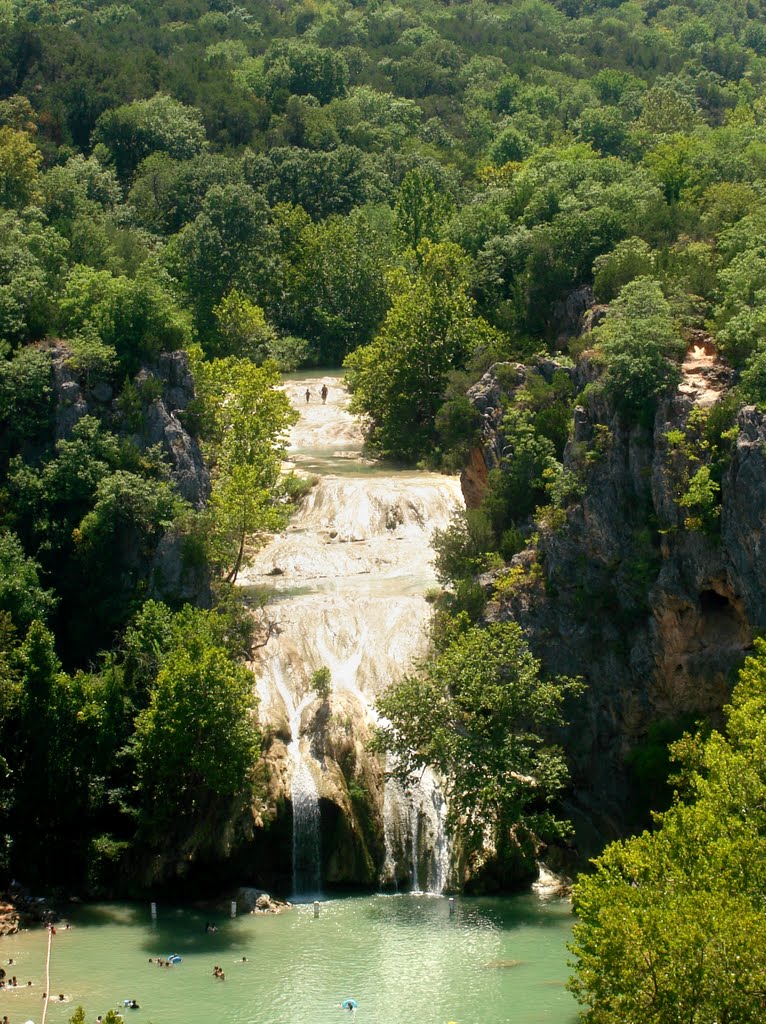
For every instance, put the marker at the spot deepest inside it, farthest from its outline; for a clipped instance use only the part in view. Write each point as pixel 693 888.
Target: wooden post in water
pixel 316 908
pixel 47 992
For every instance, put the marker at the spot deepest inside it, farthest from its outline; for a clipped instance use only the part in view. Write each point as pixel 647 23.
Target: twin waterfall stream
pixel 346 584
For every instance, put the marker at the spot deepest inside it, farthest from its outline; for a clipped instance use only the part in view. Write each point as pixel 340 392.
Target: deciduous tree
pixel 641 346
pixel 477 714
pixel 160 124
pixel 670 926
pixel 19 162
pixel 243 417
pixel 398 380
pixel 195 745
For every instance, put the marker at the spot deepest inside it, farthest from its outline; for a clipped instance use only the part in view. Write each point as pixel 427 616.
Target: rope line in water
pixel 47 977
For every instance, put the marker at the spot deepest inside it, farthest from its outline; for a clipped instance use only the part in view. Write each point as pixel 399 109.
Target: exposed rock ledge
pixel 162 391
pixel 256 901
pixel 158 424
pixel 9 919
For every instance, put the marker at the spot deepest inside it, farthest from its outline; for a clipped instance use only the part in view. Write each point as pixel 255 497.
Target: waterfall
pixel 441 855
pixel 414 847
pixel 549 884
pixel 392 794
pixel 307 878
pixel 430 846
pixel 307 857
pixel 415 828
pixel 347 581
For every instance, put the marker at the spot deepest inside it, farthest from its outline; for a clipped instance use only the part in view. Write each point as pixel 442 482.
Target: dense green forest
pixel 414 190
pixel 671 925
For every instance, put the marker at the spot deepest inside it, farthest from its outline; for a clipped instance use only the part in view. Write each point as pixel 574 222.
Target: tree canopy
pixel 480 714
pixel 638 343
pixel 195 744
pixel 670 924
pixel 398 380
pixel 244 419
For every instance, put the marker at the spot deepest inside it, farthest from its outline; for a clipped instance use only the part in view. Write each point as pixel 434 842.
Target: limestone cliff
pixel 653 613
pixel 163 390
pixel 160 393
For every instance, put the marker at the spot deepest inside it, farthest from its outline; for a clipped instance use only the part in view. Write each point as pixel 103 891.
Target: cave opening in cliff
pixel 722 622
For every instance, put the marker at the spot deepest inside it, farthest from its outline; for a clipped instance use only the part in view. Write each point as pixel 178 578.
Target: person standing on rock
pixel 324 393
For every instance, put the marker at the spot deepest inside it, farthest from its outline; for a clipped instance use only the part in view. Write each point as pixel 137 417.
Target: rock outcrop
pixel 486 396
pixel 19 908
pixel 150 420
pixel 655 615
pixel 256 901
pixel 161 392
pixel 568 314
pixel 9 919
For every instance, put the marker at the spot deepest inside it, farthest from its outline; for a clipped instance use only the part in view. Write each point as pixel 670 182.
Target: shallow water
pixel 403 958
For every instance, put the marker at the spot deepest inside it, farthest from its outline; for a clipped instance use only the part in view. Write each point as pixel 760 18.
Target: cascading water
pixel 429 847
pixel 304 798
pixel 307 875
pixel 441 854
pixel 347 581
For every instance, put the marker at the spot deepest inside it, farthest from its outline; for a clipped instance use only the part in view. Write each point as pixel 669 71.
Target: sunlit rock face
pixel 346 582
pixel 655 616
pixel 169 576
